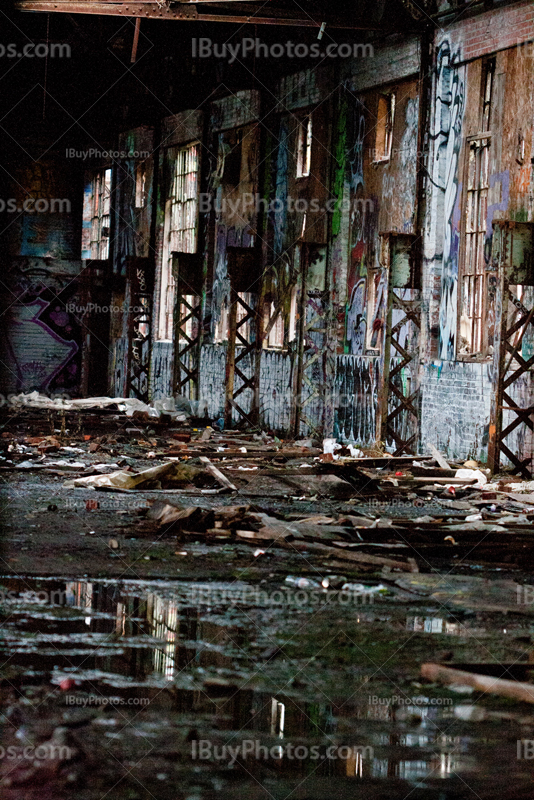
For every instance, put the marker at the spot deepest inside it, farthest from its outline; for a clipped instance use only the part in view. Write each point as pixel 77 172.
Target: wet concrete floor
pixel 172 669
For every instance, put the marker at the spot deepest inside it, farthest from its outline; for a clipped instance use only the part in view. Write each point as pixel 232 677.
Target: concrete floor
pixel 144 664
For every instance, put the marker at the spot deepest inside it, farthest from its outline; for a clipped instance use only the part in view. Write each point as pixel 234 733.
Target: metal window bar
pixel 100 217
pixel 474 278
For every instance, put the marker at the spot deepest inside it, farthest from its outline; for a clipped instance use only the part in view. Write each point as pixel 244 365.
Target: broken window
pixel 275 339
pixel 140 185
pixel 304 145
pixel 181 224
pixel 475 271
pixel 385 118
pixel 100 214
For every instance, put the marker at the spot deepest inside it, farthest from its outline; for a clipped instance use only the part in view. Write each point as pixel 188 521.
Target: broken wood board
pixel 442 461
pixel 217 474
pixel 515 690
pixel 188 519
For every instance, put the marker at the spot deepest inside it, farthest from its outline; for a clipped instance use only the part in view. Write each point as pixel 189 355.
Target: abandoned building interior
pixel 335 251
pixel 296 238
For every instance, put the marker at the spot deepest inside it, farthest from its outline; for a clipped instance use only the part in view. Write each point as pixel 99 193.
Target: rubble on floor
pixel 218 573
pixel 393 513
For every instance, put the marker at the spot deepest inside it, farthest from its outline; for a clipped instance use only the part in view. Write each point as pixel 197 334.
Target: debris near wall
pixel 376 512
pixel 178 408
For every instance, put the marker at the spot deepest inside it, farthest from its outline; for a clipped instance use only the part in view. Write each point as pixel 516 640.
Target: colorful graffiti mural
pixel 41 343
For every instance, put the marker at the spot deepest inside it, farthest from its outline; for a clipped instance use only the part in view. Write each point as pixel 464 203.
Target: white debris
pixel 302 583
pixel 525 486
pixel 330 446
pixel 470 474
pixel 179 408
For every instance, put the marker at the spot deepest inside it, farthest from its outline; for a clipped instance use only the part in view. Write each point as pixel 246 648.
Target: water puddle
pixel 232 685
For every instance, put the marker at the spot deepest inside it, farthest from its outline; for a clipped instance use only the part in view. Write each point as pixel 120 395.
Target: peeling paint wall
pixel 376 196
pixel 457 389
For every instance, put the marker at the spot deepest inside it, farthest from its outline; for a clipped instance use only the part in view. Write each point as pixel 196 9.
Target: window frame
pixel 304 146
pixel 388 122
pixel 167 284
pixel 480 268
pixel 99 203
pixel 485 270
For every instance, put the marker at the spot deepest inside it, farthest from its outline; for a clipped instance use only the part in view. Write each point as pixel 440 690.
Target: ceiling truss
pixel 185 10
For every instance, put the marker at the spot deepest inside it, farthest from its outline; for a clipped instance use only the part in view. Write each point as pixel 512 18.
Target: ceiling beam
pixel 184 11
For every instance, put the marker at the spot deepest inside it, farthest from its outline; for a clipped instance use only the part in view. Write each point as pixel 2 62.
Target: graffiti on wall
pixel 357 383
pixel 41 343
pixel 449 109
pixel 405 185
pixel 279 211
pixel 356 322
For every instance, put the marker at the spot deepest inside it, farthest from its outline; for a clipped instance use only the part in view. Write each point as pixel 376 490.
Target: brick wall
pixel 456 407
pixel 495 30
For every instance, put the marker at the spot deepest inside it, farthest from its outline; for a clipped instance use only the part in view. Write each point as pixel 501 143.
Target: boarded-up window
pixel 100 214
pixel 181 226
pixel 384 126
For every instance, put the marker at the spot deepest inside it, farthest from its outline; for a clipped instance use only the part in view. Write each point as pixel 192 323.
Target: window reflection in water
pixel 180 638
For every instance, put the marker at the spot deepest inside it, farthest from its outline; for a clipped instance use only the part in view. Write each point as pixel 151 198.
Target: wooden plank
pixel 442 461
pixel 516 690
pixel 217 474
pixel 442 481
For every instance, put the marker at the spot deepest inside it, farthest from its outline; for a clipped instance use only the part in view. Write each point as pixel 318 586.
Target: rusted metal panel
pixel 513 251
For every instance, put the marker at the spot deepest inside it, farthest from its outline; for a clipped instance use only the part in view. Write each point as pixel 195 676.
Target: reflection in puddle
pixel 441 625
pixel 144 637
